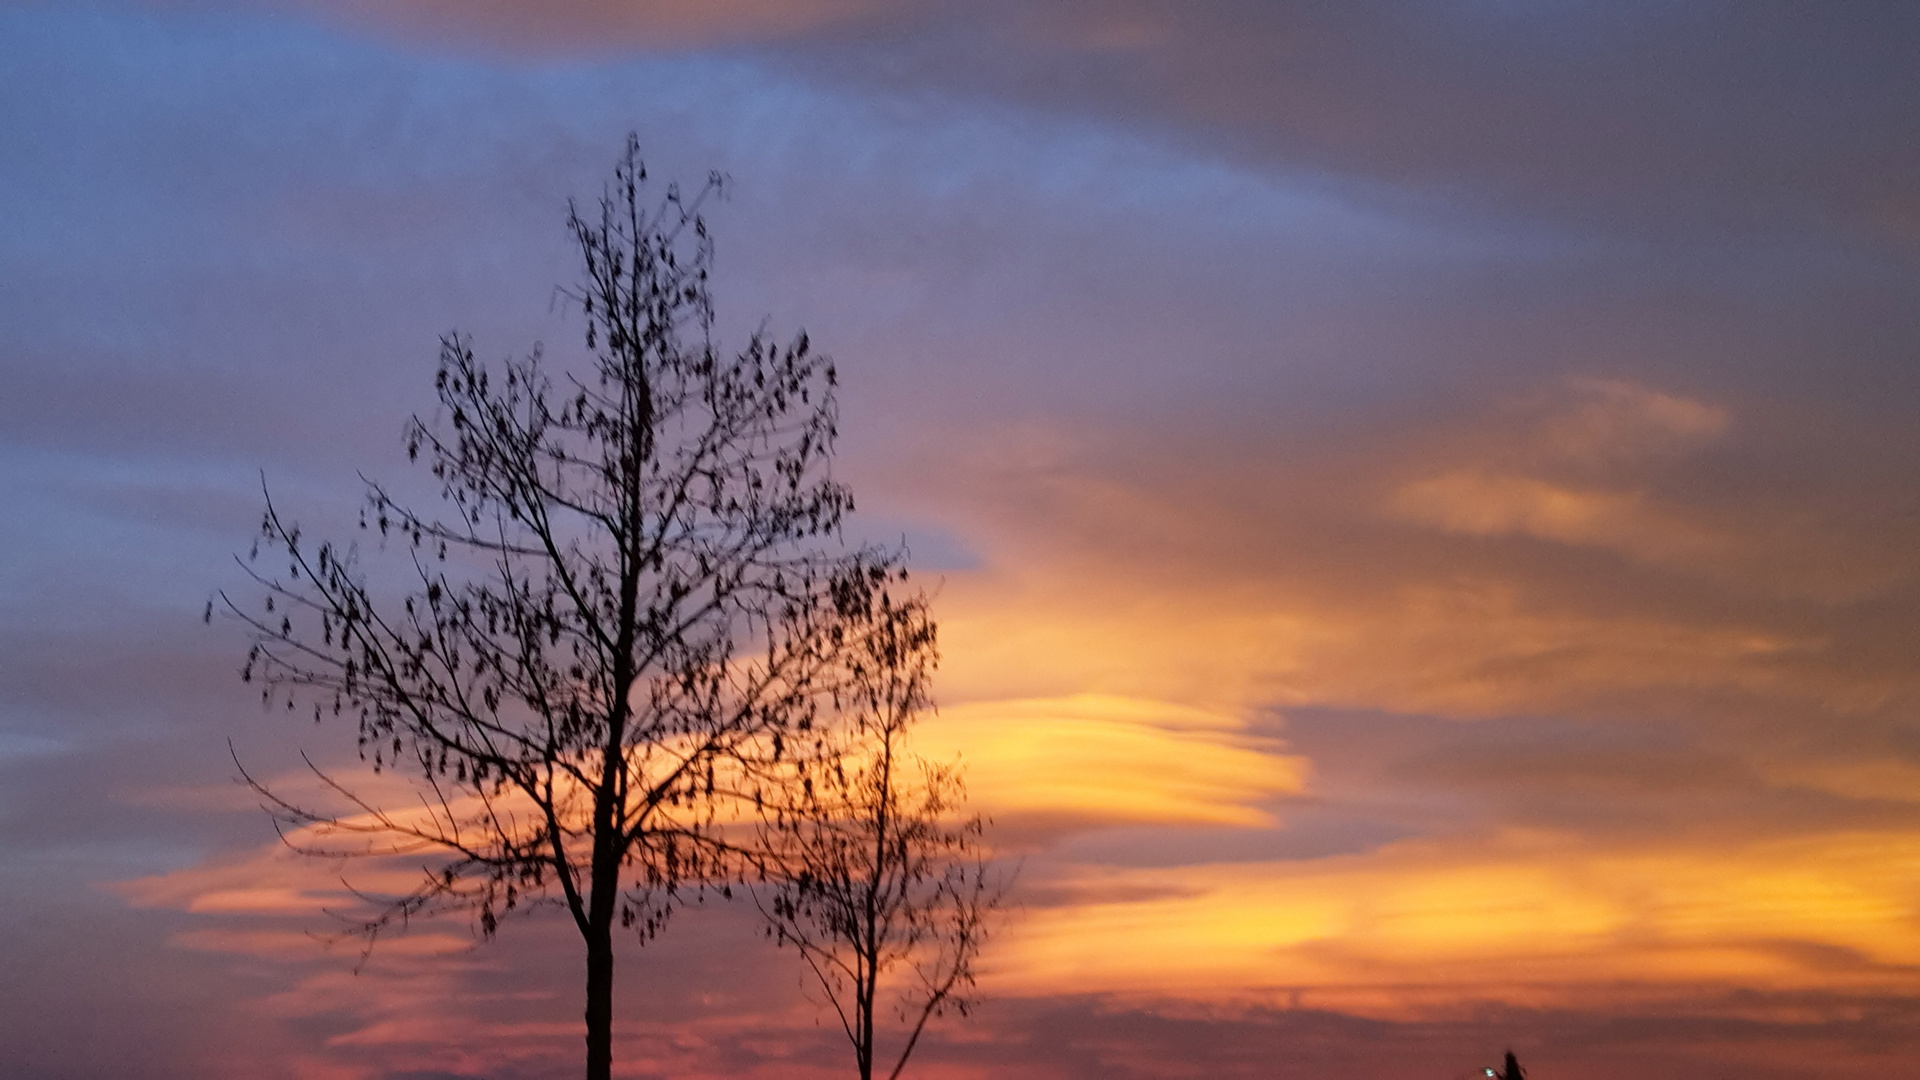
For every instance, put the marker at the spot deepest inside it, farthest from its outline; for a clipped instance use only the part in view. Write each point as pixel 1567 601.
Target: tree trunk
pixel 863 1049
pixel 600 1000
pixel 598 930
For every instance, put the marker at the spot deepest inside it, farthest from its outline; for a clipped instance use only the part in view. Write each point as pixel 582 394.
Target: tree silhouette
pixel 887 891
pixel 620 624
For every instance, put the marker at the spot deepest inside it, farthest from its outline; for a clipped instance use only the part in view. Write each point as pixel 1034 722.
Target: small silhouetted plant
pixel 886 890
pixel 622 619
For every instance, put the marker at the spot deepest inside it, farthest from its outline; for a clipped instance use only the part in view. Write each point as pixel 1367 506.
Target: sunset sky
pixel 1423 502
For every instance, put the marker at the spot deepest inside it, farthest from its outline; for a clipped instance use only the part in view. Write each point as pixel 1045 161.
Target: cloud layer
pixel 1420 498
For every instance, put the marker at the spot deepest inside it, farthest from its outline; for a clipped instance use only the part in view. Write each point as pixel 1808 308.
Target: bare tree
pixel 887 890
pixel 619 624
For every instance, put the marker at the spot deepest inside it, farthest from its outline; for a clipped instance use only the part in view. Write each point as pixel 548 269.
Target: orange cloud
pixel 1523 919
pixel 1477 503
pixel 1113 759
pixel 1571 467
pixel 1600 421
pixel 1461 648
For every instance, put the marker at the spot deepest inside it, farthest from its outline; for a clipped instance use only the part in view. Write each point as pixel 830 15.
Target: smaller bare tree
pixel 884 888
